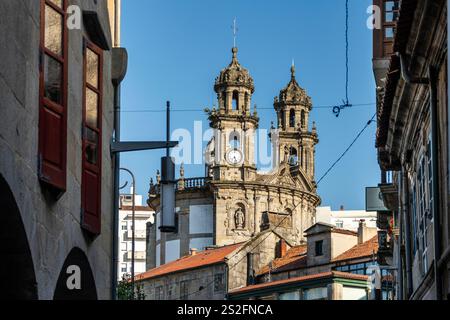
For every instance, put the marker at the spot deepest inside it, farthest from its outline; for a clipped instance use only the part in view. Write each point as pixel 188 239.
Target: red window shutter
pixel 52 148
pixel 92 138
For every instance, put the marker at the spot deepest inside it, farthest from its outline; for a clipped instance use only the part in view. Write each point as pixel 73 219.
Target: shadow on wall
pixel 76 280
pixel 18 280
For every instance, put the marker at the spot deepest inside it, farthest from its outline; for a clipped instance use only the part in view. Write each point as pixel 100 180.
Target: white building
pixel 346 219
pixel 143 214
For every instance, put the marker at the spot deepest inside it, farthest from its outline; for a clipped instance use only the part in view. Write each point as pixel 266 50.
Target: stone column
pixel 335 291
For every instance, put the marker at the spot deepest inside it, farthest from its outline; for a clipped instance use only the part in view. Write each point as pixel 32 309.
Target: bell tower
pixel 232 152
pixel 295 142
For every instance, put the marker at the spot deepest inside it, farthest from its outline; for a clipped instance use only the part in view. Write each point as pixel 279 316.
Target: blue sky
pixel 177 48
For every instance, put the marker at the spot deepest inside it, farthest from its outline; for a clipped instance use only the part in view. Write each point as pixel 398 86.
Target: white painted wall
pixel 346 219
pixel 172 250
pixel 200 243
pixel 125 243
pixel 201 219
pixel 354 294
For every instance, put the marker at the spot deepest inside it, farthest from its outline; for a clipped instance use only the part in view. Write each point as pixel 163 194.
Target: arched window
pixel 235 140
pixel 292 118
pixel 247 102
pixel 224 100
pixel 282 119
pixel 303 119
pixel 293 157
pixel 235 103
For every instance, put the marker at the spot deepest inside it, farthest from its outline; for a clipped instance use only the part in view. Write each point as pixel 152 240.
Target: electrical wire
pixel 180 109
pixel 348 149
pixel 282 220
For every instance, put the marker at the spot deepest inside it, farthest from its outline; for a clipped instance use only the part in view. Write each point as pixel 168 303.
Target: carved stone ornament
pixel 239 219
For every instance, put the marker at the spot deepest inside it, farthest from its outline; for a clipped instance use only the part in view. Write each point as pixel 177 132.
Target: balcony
pixel 183 185
pixel 138 234
pixel 138 255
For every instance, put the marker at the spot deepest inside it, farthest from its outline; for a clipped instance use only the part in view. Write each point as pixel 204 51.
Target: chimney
pixel 365 233
pixel 282 248
pixel 193 251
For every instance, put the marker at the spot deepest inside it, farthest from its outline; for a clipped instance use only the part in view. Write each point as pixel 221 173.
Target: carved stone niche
pixel 237 220
pixel 276 219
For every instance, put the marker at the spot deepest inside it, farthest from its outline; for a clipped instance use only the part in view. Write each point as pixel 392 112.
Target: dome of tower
pixel 234 75
pixel 293 93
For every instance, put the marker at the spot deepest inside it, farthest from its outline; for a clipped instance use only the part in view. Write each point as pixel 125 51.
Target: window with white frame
pixel 422 204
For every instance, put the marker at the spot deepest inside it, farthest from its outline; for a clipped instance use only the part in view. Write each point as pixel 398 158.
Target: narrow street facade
pixel 56 72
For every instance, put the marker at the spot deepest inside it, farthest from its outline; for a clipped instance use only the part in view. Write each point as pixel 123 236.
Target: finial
pixel 158 177
pixel 234 51
pixel 293 69
pixel 182 170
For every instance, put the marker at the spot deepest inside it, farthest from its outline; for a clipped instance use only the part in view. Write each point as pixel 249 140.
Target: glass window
pixel 92 65
pixel 53 78
pixel 219 283
pixel 389 32
pixel 159 293
pixel 53 40
pixel 184 290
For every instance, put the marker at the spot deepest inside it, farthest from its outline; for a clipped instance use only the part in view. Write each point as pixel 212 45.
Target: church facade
pixel 234 203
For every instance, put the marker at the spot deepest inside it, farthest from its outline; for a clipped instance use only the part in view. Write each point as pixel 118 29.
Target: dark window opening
pixel 235 103
pixel 319 248
pixel 292 118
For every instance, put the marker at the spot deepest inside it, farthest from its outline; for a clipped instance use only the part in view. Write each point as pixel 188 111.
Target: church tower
pixel 232 150
pixel 293 142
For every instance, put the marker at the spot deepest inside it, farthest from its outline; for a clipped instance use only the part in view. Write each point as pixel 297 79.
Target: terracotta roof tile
pixel 365 249
pixel 295 258
pixel 201 259
pixel 331 274
pixel 344 231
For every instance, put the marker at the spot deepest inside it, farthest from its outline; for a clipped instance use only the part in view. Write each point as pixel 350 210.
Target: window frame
pixel 53 175
pixel 92 223
pixel 318 245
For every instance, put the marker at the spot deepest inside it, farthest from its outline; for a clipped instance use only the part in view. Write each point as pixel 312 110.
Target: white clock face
pixel 234 157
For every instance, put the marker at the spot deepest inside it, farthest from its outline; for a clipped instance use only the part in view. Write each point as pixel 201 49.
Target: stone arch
pixel 293 156
pixel 303 119
pixel 76 268
pixel 240 216
pixel 235 100
pixel 18 280
pixel 292 118
pixel 235 140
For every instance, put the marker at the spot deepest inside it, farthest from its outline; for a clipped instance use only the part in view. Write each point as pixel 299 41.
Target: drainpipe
pixel 119 69
pixel 435 169
pixel 399 245
pixel 406 221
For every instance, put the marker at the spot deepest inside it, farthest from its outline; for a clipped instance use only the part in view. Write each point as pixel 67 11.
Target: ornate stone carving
pixel 239 219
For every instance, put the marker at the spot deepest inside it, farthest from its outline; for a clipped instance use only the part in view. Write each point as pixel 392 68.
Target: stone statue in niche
pixel 239 219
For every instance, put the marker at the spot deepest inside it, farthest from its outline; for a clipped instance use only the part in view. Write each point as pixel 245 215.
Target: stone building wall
pixel 199 284
pixel 52 226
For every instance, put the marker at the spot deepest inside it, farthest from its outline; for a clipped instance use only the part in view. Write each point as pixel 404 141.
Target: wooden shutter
pixel 52 149
pixel 92 139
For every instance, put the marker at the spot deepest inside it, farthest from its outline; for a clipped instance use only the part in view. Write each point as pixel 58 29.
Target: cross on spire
pixel 235 31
